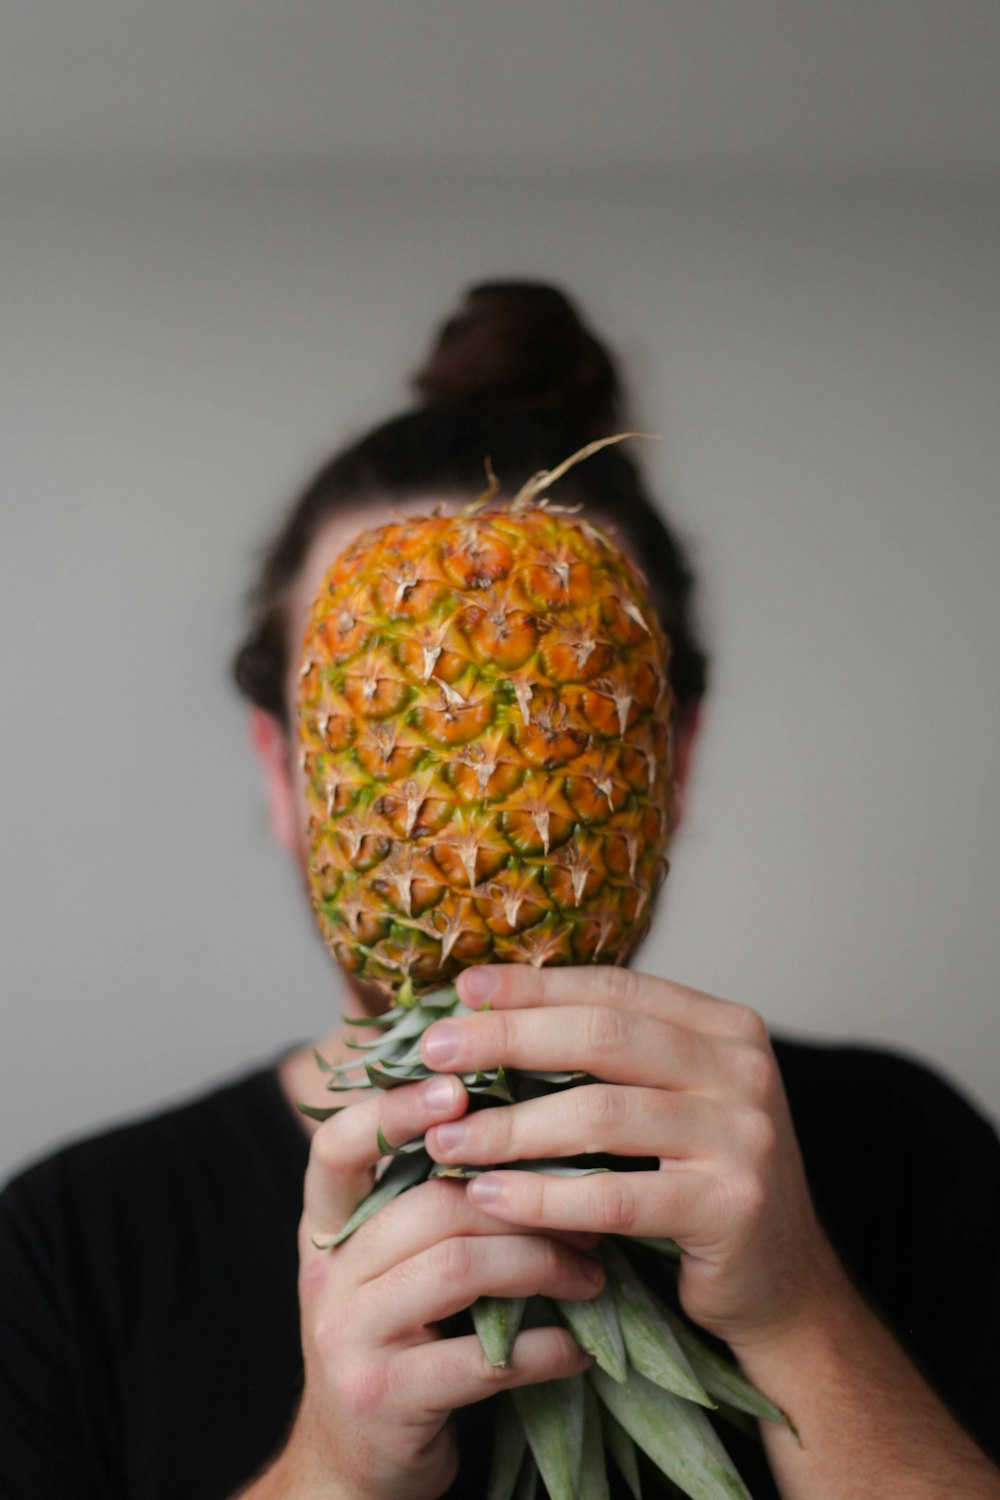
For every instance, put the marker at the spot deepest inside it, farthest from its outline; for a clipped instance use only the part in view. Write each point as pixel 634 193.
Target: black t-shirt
pixel 148 1318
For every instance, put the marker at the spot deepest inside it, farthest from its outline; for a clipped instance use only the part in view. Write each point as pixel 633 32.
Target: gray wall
pixel 178 355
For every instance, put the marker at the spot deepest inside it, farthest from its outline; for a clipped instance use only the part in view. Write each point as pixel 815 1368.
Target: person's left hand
pixel 685 1078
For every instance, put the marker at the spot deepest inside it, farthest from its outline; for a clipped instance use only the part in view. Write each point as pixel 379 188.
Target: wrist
pixel 825 1305
pixel 286 1479
pixel 832 1342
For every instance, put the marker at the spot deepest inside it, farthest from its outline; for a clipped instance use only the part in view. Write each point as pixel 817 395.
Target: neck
pixel 298 1073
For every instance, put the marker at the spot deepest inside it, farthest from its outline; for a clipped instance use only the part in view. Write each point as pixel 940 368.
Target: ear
pixel 687 733
pixel 270 743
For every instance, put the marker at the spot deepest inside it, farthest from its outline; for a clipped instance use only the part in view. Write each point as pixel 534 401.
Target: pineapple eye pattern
pixel 484 718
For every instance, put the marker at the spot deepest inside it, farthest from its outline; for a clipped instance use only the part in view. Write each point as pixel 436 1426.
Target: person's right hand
pixel 380 1382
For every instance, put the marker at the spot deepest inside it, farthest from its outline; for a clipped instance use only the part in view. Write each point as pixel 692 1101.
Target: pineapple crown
pixel 515 373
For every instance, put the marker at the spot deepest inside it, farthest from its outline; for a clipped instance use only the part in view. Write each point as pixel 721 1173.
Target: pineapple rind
pixel 485 723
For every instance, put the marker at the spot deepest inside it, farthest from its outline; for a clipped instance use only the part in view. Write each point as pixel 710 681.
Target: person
pixel 168 1325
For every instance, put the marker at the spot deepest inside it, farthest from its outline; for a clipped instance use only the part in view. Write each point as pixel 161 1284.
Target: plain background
pixel 183 342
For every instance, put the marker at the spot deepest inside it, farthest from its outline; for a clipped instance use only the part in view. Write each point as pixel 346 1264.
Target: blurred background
pixel 227 229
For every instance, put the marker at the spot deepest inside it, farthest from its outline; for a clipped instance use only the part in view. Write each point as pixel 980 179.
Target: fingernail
pixel 485 1191
pixel 440 1093
pixel 593 1271
pixel 449 1137
pixel 440 1045
pixel 479 985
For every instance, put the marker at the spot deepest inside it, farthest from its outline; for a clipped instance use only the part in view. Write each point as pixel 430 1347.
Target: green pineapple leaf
pixel 402 1172
pixel 650 1340
pixel 346 1088
pixel 509 1449
pixel 551 1414
pixel 556 1167
pixel 622 1449
pixel 489 1085
pixel 382 1078
pixel 721 1378
pixel 496 1321
pixel 410 1025
pixel 676 1435
pixel 407 1149
pixel 527 1483
pixel 593 1468
pixel 554 1075
pixel 438 1000
pixel 318 1112
pixel 595 1326
pixel 380 1023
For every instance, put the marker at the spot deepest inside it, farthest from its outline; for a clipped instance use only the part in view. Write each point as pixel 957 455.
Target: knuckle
pixel 552 1261
pixel 454 1259
pixel 437 1195
pixel 622 985
pixel 326 1151
pixel 494 1131
pixel 599 1106
pixel 502 1033
pixel 532 1198
pixel 361 1389
pixel 440 1201
pixel 619 1209
pixel 747 1197
pixel 754 1068
pixel 606 1029
pixel 750 1025
pixel 758 1134
pixel 434 1201
pixel 402 1110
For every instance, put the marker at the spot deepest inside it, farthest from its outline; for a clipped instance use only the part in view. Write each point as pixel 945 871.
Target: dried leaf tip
pixel 529 492
pixel 489 493
pixel 545 478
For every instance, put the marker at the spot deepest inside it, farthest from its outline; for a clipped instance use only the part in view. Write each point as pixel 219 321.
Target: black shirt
pixel 148 1318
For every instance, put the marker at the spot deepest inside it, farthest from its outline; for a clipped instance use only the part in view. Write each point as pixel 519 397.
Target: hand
pixel 380 1382
pixel 687 1079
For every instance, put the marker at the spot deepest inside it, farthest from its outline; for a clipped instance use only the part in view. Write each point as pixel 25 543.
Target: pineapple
pixel 485 726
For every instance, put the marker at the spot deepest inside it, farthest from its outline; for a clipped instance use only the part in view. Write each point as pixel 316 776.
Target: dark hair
pixel 517 377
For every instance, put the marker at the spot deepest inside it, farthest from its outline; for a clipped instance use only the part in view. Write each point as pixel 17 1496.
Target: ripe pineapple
pixel 485 723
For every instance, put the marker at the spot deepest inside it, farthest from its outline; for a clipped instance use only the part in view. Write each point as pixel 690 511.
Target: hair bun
pixel 522 346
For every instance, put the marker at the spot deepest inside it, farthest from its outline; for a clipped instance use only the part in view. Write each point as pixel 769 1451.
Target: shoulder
pixel 890 1147
pixel 852 1089
pixel 142 1171
pixel 122 1303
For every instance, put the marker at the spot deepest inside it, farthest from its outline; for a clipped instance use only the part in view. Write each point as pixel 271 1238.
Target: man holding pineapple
pixel 159 1338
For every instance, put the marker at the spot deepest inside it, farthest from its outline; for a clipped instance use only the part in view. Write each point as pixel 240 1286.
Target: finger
pixel 448 1277
pixel 679 1203
pixel 620 1046
pixel 345 1148
pixel 449 1373
pixel 595 1117
pixel 419 1219
pixel 521 986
